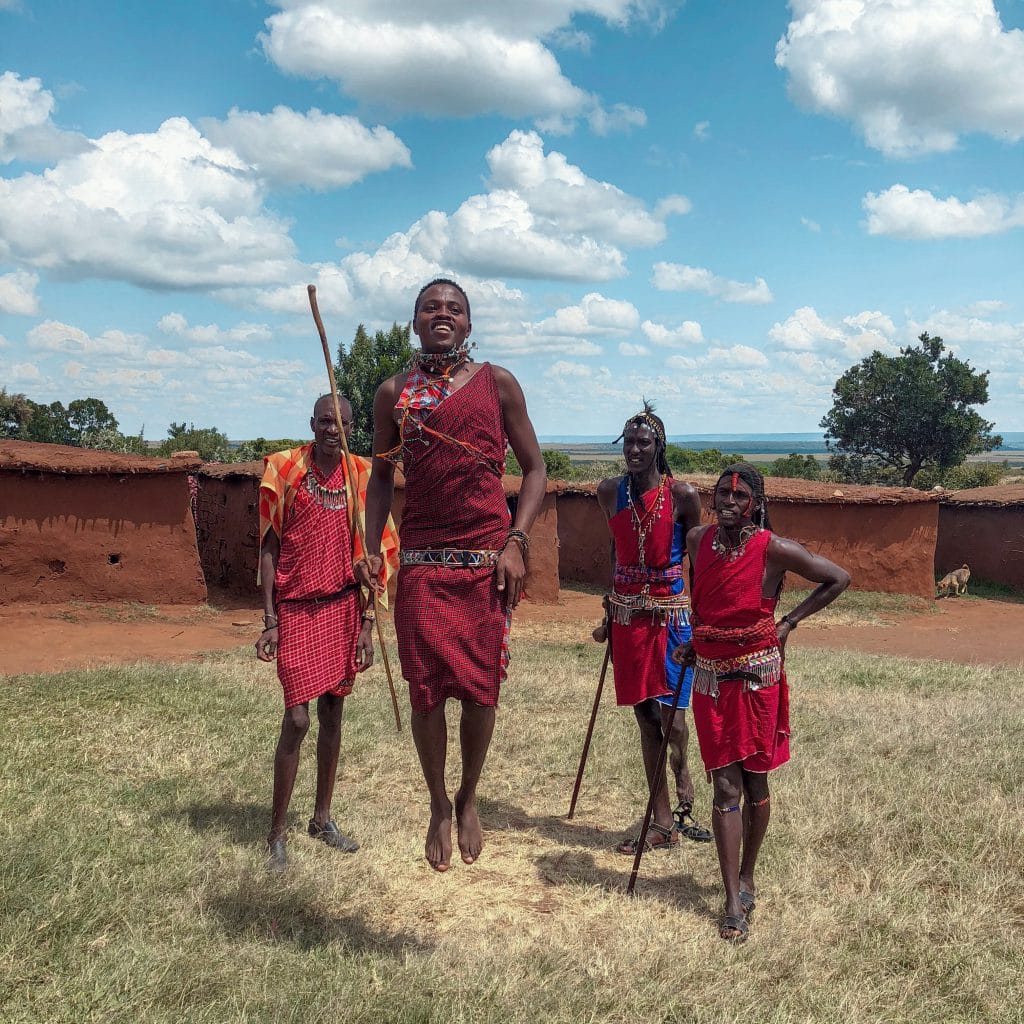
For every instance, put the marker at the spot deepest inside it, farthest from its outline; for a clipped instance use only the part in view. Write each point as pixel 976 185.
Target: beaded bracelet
pixel 522 538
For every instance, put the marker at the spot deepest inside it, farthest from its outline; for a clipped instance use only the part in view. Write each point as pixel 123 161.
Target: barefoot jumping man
pixel 649 514
pixel 318 628
pixel 741 699
pixel 463 562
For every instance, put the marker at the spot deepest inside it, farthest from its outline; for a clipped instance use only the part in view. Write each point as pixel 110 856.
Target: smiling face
pixel 639 448
pixel 442 319
pixel 325 427
pixel 733 501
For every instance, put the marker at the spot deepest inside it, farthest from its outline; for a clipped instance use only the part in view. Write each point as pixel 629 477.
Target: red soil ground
pixel 49 638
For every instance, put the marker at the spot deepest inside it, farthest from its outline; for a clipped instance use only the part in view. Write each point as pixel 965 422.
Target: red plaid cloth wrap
pixel 452 623
pixel 745 724
pixel 317 637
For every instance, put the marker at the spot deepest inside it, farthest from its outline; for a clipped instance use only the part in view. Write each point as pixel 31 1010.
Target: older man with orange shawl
pixel 318 625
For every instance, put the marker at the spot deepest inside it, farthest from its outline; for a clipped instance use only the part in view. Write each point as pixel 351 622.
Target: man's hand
pixel 364 646
pixel 684 654
pixel 511 573
pixel 368 573
pixel 266 646
pixel 783 629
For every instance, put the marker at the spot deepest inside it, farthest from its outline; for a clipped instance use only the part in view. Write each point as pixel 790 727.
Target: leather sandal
pixel 686 824
pixel 668 840
pixel 330 834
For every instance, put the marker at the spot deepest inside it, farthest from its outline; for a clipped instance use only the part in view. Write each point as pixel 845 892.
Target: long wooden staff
pixel 350 473
pixel 593 719
pixel 659 778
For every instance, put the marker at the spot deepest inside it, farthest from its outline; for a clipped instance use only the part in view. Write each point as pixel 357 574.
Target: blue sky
pixel 717 205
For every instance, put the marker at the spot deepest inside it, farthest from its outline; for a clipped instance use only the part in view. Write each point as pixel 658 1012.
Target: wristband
pixel 788 621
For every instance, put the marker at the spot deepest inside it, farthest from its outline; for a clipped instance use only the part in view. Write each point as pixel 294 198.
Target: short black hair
pixel 341 398
pixel 443 280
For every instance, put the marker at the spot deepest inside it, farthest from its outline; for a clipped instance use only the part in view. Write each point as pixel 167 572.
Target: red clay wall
pixel 989 540
pixel 886 548
pixel 584 544
pixel 98 537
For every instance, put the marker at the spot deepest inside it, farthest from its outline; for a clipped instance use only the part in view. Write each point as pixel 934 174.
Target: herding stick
pixel 311 289
pixel 590 728
pixel 659 778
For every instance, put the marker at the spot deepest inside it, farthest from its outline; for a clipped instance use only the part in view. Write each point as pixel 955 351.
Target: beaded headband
pixel 656 427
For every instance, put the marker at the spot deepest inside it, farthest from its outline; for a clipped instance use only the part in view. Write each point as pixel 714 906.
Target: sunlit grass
pixel 135 801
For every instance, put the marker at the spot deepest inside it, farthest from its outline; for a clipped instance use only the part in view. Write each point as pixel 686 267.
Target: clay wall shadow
pixel 98 537
pixel 989 539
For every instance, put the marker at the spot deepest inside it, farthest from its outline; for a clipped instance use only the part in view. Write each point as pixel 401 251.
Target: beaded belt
pixel 755 670
pixel 642 574
pixel 453 558
pixel 623 607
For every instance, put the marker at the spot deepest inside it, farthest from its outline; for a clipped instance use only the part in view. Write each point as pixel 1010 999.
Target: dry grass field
pixel 132 886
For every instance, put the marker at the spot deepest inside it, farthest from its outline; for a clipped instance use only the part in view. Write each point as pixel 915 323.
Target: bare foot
pixel 471 839
pixel 438 847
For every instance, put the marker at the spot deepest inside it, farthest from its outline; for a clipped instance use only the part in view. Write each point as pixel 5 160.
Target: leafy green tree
pixel 910 411
pixel 512 467
pixel 803 467
pixel 15 413
pixel 49 424
pixel 558 464
pixel 362 368
pixel 710 460
pixel 89 414
pixel 110 439
pixel 211 444
pixel 258 448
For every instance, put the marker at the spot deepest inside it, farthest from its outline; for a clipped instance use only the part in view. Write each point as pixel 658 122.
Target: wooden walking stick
pixel 350 475
pixel 659 778
pixel 593 717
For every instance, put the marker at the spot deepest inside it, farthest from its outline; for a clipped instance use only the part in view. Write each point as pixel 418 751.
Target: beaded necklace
pixel 325 497
pixel 644 519
pixel 721 546
pixel 442 362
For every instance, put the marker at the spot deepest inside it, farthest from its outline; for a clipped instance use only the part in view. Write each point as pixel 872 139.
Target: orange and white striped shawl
pixel 283 474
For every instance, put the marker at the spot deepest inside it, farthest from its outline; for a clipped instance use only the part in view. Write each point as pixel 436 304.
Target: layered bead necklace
pixel 644 519
pixel 721 546
pixel 325 497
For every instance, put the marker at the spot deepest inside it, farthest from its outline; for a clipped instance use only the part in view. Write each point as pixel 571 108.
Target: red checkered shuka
pixel 316 653
pixel 452 623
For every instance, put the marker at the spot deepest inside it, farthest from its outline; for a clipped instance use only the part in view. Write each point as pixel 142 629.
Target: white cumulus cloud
pixel 18 293
pixel 678 277
pixel 482 58
pixel 166 209
pixel 321 151
pixel 210 334
pixel 912 75
pixel 26 129
pixel 689 332
pixel 902 213
pixel 854 336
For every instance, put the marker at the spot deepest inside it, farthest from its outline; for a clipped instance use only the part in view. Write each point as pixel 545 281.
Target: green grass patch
pixel 135 801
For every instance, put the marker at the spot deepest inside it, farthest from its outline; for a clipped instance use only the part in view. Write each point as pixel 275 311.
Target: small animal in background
pixel 954 582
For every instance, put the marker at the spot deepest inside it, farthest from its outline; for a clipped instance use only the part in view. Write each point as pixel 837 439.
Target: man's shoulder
pixel 285 463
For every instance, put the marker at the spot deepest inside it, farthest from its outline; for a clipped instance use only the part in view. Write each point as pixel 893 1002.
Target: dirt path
pixel 49 638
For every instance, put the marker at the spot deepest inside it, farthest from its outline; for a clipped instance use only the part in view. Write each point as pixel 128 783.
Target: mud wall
pixel 98 537
pixel 227 532
pixel 888 548
pixel 584 544
pixel 990 540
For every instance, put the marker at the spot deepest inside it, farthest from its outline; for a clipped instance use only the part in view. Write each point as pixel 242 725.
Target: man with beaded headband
pixel 741 697
pixel 463 563
pixel 318 629
pixel 648 516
